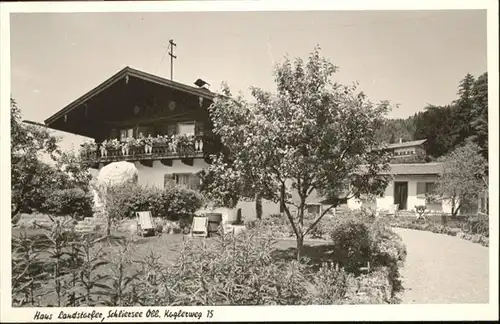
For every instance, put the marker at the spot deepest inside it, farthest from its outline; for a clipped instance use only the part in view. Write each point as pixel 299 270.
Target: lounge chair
pixel 200 226
pixel 145 224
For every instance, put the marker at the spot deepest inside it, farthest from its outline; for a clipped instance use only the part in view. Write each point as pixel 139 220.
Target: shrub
pixel 331 284
pixel 73 201
pixel 351 243
pixel 237 269
pixel 180 202
pixel 478 224
pixel 278 224
pixel 172 203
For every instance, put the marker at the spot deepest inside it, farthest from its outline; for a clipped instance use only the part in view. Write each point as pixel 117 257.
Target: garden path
pixel 442 269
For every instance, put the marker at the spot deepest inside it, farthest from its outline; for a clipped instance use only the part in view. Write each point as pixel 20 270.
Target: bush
pixel 363 243
pixel 172 203
pixel 278 224
pixel 351 243
pixel 478 224
pixel 237 269
pixel 71 202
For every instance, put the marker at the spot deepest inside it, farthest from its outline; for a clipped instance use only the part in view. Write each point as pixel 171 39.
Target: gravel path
pixel 442 269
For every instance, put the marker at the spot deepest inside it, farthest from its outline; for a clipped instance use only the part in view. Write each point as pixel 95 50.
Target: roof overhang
pixel 123 74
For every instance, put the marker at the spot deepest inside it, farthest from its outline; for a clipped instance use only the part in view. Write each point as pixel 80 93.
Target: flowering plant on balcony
pixel 90 146
pixel 87 148
pixel 113 144
pixel 139 141
pixel 148 140
pixel 161 140
pixel 184 140
pixel 129 142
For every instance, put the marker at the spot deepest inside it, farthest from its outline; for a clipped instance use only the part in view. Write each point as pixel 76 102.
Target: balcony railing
pixel 154 149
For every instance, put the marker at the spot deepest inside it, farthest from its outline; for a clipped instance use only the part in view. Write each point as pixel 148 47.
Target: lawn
pixel 167 246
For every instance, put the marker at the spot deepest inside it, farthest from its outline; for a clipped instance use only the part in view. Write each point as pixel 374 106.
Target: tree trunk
pixel 108 227
pixel 258 206
pixel 300 246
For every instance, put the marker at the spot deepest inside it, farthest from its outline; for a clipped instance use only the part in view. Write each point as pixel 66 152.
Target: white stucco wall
pixel 155 176
pixel 405 149
pixel 387 201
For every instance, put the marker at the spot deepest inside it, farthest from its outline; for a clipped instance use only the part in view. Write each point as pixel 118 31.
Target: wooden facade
pixel 135 104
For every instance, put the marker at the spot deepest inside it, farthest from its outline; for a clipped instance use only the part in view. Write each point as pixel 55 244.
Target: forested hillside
pixel 446 127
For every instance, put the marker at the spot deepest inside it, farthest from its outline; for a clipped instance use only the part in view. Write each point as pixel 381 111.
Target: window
pixel 185 128
pixel 425 188
pixel 124 133
pixel 429 187
pixel 188 180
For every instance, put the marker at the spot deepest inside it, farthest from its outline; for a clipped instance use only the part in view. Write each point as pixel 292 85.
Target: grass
pixel 167 248
pixel 168 245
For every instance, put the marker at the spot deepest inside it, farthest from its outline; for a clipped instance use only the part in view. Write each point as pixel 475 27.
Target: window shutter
pixel 172 129
pixel 198 128
pixel 420 188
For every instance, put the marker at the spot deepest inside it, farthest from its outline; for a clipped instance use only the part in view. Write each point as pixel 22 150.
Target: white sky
pixel 408 57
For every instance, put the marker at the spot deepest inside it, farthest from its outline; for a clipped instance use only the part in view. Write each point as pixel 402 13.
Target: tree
pixel 33 179
pixel 234 186
pixel 313 137
pixel 464 178
pixel 479 114
pixel 29 175
pixel 436 124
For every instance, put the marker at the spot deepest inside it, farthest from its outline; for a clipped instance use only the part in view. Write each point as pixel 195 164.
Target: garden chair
pixel 200 226
pixel 145 223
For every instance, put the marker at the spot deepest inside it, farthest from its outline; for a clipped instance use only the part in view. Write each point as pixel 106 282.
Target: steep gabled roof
pixel 130 72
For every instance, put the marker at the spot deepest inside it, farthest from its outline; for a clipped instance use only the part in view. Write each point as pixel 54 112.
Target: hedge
pixel 172 203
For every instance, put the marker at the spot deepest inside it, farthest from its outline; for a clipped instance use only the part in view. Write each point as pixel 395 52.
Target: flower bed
pixel 440 229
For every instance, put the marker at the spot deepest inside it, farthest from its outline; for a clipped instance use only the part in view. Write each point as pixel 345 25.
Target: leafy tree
pixel 310 138
pixel 33 179
pixel 463 179
pixel 29 176
pixel 227 191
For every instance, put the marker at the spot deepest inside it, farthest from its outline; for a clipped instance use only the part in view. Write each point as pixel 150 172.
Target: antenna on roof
pixel 172 56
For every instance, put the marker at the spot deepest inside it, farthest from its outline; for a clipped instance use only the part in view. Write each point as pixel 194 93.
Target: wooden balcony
pixel 146 154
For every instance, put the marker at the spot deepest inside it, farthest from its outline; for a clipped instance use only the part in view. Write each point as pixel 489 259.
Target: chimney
pixel 400 140
pixel 202 84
